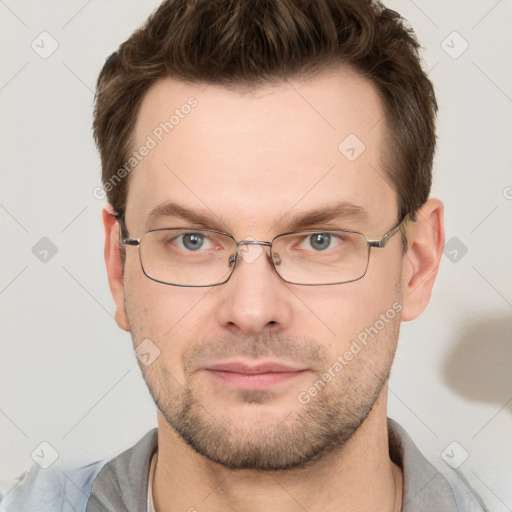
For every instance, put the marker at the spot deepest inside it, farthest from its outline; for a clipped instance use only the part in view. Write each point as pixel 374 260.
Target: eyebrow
pixel 339 212
pixel 174 210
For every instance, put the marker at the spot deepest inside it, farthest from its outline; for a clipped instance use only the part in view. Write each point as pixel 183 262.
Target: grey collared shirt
pixel 122 484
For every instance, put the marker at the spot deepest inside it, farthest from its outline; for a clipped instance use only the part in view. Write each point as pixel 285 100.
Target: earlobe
pixel 421 262
pixel 114 265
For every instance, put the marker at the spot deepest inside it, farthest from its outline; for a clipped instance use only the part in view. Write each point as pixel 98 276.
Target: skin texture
pixel 250 161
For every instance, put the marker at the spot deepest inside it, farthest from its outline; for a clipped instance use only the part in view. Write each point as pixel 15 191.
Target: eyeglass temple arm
pixel 130 241
pixel 385 239
pixel 123 235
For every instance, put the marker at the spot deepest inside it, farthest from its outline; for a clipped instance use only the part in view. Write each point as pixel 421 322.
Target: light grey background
pixel 67 373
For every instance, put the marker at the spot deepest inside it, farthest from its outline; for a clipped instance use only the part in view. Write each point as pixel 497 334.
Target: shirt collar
pixel 125 480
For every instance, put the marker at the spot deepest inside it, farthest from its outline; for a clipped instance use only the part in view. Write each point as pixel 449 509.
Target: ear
pixel 114 265
pixel 421 262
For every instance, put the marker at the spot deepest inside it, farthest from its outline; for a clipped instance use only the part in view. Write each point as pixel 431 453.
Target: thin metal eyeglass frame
pixel 233 260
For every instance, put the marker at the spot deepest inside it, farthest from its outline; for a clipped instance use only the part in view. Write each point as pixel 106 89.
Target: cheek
pixel 337 315
pixel 154 320
pixel 169 316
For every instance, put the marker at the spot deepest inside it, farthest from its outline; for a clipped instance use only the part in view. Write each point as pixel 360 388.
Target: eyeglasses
pixel 205 257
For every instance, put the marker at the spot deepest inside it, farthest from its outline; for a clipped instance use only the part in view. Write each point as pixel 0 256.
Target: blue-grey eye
pixel 320 241
pixel 193 241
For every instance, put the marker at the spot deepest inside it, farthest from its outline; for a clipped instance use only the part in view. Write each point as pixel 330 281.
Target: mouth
pixel 260 376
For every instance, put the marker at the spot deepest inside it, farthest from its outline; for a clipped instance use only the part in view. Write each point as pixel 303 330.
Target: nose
pixel 255 299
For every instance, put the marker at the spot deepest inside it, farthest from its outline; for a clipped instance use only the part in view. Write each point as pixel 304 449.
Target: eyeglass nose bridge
pixel 248 258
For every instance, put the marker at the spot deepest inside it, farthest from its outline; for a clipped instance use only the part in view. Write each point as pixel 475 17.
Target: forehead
pixel 254 155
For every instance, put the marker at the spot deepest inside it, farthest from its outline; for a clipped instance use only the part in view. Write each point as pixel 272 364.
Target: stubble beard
pixel 295 440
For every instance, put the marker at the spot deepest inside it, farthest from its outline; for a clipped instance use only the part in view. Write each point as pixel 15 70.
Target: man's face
pixel 251 163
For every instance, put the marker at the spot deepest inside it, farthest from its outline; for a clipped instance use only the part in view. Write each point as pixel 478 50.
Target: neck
pixel 358 476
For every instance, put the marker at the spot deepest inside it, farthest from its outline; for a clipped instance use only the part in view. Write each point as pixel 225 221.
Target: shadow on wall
pixel 479 367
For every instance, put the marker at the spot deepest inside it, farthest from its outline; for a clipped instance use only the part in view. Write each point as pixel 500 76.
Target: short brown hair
pixel 253 42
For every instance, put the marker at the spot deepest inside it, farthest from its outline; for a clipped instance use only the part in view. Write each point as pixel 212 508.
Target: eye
pixel 320 241
pixel 192 241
